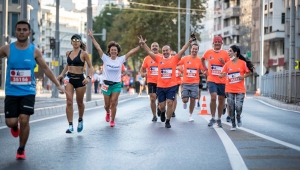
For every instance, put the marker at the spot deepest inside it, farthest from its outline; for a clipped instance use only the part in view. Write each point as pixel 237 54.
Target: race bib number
pixel 191 73
pixel 20 77
pixel 104 87
pixel 234 77
pixel 216 69
pixel 153 70
pixel 166 73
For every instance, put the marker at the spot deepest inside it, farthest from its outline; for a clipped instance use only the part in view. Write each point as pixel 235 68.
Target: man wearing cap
pixel 216 58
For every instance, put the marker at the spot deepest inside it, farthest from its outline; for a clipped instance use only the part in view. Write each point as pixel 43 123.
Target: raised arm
pixel 97 46
pixel 180 53
pixel 132 51
pixel 146 48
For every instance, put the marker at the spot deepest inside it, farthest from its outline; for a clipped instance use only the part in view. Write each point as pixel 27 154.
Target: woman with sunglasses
pixel 237 69
pixel 112 65
pixel 75 64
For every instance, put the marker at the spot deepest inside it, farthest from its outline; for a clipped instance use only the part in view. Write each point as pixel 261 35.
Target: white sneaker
pixel 184 105
pixel 191 119
pixel 233 128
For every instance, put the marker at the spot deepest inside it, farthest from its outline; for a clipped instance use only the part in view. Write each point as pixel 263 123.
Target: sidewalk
pixel 277 103
pixel 45 105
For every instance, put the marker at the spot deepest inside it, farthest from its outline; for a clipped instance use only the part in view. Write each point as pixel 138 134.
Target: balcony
pixel 231 30
pixel 274 36
pixel 232 12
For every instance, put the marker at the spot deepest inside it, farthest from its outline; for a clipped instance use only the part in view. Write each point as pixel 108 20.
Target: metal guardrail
pixel 275 85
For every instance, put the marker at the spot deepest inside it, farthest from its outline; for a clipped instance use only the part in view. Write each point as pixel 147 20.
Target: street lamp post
pixel 89 47
pixel 187 23
pixel 261 45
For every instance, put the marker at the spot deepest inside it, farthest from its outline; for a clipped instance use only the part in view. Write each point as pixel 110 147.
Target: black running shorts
pixel 16 105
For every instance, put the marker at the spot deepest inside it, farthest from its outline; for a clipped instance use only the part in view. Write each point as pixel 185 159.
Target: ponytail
pixel 249 64
pixel 83 46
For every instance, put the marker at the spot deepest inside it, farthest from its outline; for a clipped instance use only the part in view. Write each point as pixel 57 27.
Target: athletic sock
pixel 80 120
pixel 15 129
pixel 71 123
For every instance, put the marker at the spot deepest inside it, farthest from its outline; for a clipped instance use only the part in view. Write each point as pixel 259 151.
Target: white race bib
pixel 104 87
pixel 234 77
pixel 166 73
pixel 20 77
pixel 216 69
pixel 191 73
pixel 153 70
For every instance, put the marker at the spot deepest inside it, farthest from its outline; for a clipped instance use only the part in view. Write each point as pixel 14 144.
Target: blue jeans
pixel 235 102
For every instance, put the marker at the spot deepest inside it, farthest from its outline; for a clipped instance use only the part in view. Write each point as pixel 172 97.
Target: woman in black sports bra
pixel 75 64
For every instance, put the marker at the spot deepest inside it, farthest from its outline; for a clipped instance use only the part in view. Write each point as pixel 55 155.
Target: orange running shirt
pixel 152 69
pixel 215 66
pixel 233 83
pixel 191 66
pixel 166 71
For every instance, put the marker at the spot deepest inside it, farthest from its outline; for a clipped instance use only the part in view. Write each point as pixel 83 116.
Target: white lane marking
pixel 56 116
pixel 276 106
pixel 235 158
pixel 268 137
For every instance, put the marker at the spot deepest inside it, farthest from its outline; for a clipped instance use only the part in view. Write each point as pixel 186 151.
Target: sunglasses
pixel 75 40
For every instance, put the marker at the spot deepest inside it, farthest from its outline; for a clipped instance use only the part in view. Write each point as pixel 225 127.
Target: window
pixel 271 5
pixel 270 28
pixel 266 7
pixel 237 22
pixel 266 30
pixel 14 20
pixel 15 1
pixel 282 18
pixel 238 2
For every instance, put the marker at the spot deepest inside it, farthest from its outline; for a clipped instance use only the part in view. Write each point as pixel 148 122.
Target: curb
pixel 278 103
pixel 61 108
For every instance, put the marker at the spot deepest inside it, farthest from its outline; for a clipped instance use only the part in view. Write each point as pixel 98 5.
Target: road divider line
pixel 268 138
pixel 235 158
pixel 56 116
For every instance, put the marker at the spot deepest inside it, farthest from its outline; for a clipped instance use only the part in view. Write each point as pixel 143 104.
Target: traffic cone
pixel 203 110
pixel 256 93
pixel 131 91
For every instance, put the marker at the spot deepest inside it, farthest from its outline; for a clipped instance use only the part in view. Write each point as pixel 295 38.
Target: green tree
pixel 157 23
pixel 104 20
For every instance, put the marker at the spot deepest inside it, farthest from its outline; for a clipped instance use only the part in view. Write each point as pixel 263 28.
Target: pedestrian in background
pixel 96 82
pixel 112 70
pixel 237 69
pixel 20 85
pixel 76 59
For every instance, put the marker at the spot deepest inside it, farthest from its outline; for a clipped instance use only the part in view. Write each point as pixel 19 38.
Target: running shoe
pixel 233 128
pixel 15 133
pixel 219 123
pixel 112 123
pixel 191 119
pixel 20 154
pixel 80 126
pixel 70 129
pixel 107 117
pixel 211 122
pixel 228 119
pixel 168 125
pixel 154 119
pixel 184 105
pixel 163 116
pixel 158 112
pixel 198 104
pixel 173 115
pixel 239 122
pixel 224 110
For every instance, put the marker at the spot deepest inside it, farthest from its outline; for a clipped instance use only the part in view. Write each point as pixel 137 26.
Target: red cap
pixel 217 38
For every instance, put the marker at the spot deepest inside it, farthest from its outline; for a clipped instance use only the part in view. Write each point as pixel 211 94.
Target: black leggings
pixel 76 80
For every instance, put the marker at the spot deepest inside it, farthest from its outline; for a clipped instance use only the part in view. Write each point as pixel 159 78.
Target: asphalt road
pixel 267 140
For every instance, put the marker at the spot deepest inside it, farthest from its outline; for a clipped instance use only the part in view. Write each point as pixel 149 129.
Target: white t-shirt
pixel 112 68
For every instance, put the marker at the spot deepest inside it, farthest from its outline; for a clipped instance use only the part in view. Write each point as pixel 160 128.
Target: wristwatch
pixel 89 77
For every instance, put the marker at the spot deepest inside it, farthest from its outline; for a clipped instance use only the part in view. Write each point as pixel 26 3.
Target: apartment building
pixel 207 33
pixel 287 5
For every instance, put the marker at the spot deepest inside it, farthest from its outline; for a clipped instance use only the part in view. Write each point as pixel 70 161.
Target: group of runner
pixel 163 73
